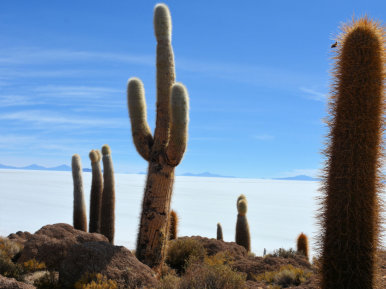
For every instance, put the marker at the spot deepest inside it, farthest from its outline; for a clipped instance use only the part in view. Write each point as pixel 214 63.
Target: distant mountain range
pixel 66 168
pixel 34 167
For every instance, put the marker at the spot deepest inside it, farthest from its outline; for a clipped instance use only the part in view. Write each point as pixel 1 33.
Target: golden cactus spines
pixel 96 192
pixel 165 149
pixel 107 226
pixel 302 244
pixel 173 225
pixel 243 237
pixel 352 182
pixel 79 214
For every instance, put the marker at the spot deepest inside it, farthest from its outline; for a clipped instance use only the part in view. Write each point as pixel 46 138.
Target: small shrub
pixel 33 265
pixel 221 258
pixel 287 275
pixel 169 281
pixel 183 250
pixel 283 253
pixel 202 275
pixel 49 280
pixel 95 281
pixel 10 269
pixel 9 248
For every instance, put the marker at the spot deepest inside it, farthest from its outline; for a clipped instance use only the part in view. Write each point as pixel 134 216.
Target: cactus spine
pixel 302 245
pixel 243 237
pixel 351 205
pixel 79 215
pixel 96 192
pixel 219 232
pixel 165 150
pixel 173 225
pixel 108 196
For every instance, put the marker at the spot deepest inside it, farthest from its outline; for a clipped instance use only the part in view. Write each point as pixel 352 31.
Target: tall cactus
pixel 79 215
pixel 108 196
pixel 243 237
pixel 219 232
pixel 352 183
pixel 302 244
pixel 96 192
pixel 165 150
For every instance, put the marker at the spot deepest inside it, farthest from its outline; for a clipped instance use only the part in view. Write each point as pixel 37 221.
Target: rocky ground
pixel 68 254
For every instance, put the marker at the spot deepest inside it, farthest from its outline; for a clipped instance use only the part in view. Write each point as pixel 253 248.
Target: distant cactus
pixel 302 245
pixel 165 150
pixel 352 182
pixel 243 237
pixel 219 232
pixel 108 196
pixel 173 225
pixel 96 192
pixel 79 216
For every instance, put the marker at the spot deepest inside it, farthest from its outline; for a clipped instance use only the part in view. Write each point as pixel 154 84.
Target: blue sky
pixel 257 73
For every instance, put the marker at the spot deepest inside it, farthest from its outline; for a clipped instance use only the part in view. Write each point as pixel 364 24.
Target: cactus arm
pixel 142 137
pixel 179 124
pixel 165 75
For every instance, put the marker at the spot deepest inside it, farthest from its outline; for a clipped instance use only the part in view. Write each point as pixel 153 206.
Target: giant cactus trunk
pixel 96 192
pixel 79 214
pixel 352 184
pixel 164 151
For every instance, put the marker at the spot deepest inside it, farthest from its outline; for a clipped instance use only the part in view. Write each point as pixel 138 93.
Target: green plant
pixel 10 269
pixel 165 150
pixel 302 244
pixel 96 192
pixel 95 281
pixel 9 248
pixel 79 216
pixel 173 225
pixel 352 181
pixel 288 275
pixel 50 280
pixel 219 232
pixel 243 237
pixel 181 251
pixel 108 196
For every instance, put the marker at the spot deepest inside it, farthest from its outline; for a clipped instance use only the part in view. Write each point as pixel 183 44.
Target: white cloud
pixel 314 95
pixel 263 137
pixel 16 100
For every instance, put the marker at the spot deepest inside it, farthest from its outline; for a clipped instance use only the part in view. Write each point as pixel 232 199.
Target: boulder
pixel 114 262
pixel 51 243
pixel 11 283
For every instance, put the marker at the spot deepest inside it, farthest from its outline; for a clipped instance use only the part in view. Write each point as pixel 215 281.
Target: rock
pixel 114 262
pixel 214 246
pixel 11 283
pixel 20 236
pixel 51 243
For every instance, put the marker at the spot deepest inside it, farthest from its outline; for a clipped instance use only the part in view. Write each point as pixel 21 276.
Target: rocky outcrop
pixel 11 283
pixel 51 243
pixel 114 262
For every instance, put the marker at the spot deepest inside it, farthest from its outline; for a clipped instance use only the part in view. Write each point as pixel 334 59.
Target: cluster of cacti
pixel 96 192
pixel 102 195
pixel 79 215
pixel 243 237
pixel 165 149
pixel 173 225
pixel 302 245
pixel 350 217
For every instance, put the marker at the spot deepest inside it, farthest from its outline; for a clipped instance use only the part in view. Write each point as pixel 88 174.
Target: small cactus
pixel 96 192
pixel 79 216
pixel 243 237
pixel 108 196
pixel 302 245
pixel 173 225
pixel 219 232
